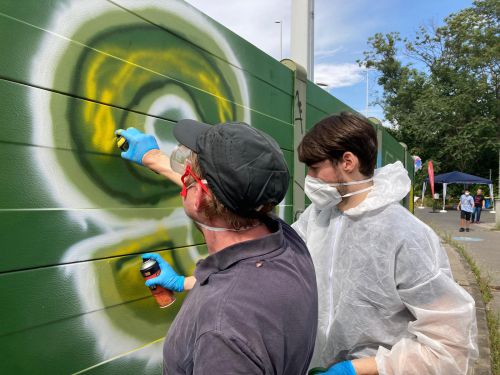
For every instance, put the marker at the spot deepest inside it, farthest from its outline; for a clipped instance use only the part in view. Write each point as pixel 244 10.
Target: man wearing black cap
pixel 253 304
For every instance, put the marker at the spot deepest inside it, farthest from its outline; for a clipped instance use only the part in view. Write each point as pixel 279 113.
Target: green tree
pixel 444 102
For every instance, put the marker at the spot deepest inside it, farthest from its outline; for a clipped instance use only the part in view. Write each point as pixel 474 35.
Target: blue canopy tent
pixel 458 178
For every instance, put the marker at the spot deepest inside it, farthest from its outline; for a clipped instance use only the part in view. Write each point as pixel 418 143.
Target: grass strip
pixel 492 318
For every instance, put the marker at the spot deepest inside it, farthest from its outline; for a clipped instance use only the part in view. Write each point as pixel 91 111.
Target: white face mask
pixel 325 195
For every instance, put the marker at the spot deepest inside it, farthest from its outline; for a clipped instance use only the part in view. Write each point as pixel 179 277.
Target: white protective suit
pixel 385 286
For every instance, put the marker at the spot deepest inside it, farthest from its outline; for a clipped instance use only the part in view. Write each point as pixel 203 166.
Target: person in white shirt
pixel 466 207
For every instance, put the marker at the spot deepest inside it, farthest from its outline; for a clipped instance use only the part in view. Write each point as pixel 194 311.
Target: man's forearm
pixel 365 366
pixel 158 162
pixel 189 282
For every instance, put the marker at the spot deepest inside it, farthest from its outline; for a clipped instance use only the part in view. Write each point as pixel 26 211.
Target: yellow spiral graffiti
pixel 103 84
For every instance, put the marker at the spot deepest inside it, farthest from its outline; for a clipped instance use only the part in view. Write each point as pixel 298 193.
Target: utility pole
pixel 302 48
pixel 281 38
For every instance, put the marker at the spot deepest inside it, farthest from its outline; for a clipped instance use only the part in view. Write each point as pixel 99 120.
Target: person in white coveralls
pixel 388 303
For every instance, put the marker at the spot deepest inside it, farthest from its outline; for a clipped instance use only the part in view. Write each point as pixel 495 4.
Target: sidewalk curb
pixel 483 364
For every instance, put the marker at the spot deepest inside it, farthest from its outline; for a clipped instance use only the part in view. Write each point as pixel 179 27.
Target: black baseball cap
pixel 244 167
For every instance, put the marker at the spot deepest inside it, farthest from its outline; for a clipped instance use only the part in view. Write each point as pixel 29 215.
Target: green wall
pixel 74 216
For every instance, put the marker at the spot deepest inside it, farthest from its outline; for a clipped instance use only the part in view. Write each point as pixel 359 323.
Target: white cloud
pixel 339 75
pixel 388 124
pixel 326 53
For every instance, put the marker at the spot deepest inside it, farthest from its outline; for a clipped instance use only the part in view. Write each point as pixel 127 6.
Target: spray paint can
pixel 149 269
pixel 121 142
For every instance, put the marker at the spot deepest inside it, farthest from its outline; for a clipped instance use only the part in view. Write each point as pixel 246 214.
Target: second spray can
pixel 149 269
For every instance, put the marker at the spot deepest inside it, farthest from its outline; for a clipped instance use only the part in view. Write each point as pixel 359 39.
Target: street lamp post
pixel 281 38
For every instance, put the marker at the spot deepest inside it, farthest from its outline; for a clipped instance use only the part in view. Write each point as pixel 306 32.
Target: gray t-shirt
pixel 253 310
pixel 467 203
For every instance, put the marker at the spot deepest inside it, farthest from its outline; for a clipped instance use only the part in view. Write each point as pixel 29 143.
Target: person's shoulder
pixel 423 240
pixel 400 223
pixel 293 246
pixel 303 221
pixel 416 240
pixel 282 225
pixel 305 215
pixel 396 210
pixel 290 232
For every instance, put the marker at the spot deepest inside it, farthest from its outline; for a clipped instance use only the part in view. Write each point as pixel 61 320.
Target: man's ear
pixel 199 199
pixel 349 162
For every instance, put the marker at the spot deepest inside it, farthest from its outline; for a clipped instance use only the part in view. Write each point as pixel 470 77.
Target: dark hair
pixel 334 135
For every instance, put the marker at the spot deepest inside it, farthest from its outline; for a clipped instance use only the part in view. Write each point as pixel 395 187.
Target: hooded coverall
pixel 385 286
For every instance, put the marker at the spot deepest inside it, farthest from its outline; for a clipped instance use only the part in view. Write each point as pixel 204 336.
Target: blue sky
pixel 342 29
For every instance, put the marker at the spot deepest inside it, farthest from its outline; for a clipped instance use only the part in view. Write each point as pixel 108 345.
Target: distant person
pixel 466 207
pixel 479 203
pixel 253 304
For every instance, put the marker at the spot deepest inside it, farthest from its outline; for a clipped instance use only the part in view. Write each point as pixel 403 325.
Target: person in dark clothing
pixel 253 304
pixel 478 206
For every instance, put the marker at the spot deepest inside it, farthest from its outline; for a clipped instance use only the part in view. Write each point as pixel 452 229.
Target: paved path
pixel 483 244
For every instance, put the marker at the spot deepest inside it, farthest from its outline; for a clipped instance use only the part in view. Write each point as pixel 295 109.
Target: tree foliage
pixel 444 102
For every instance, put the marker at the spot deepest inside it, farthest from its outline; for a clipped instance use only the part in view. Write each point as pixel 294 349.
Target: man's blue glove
pixel 341 368
pixel 168 278
pixel 138 144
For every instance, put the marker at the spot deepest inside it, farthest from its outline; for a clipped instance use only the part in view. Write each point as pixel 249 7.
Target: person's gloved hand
pixel 138 144
pixel 341 368
pixel 168 278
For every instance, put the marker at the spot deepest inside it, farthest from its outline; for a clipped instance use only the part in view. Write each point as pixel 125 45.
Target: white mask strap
pixel 357 192
pixel 219 229
pixel 351 182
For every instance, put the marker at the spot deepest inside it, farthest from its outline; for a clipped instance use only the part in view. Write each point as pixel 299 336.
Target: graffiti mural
pixel 140 69
pixel 99 66
pixel 74 216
